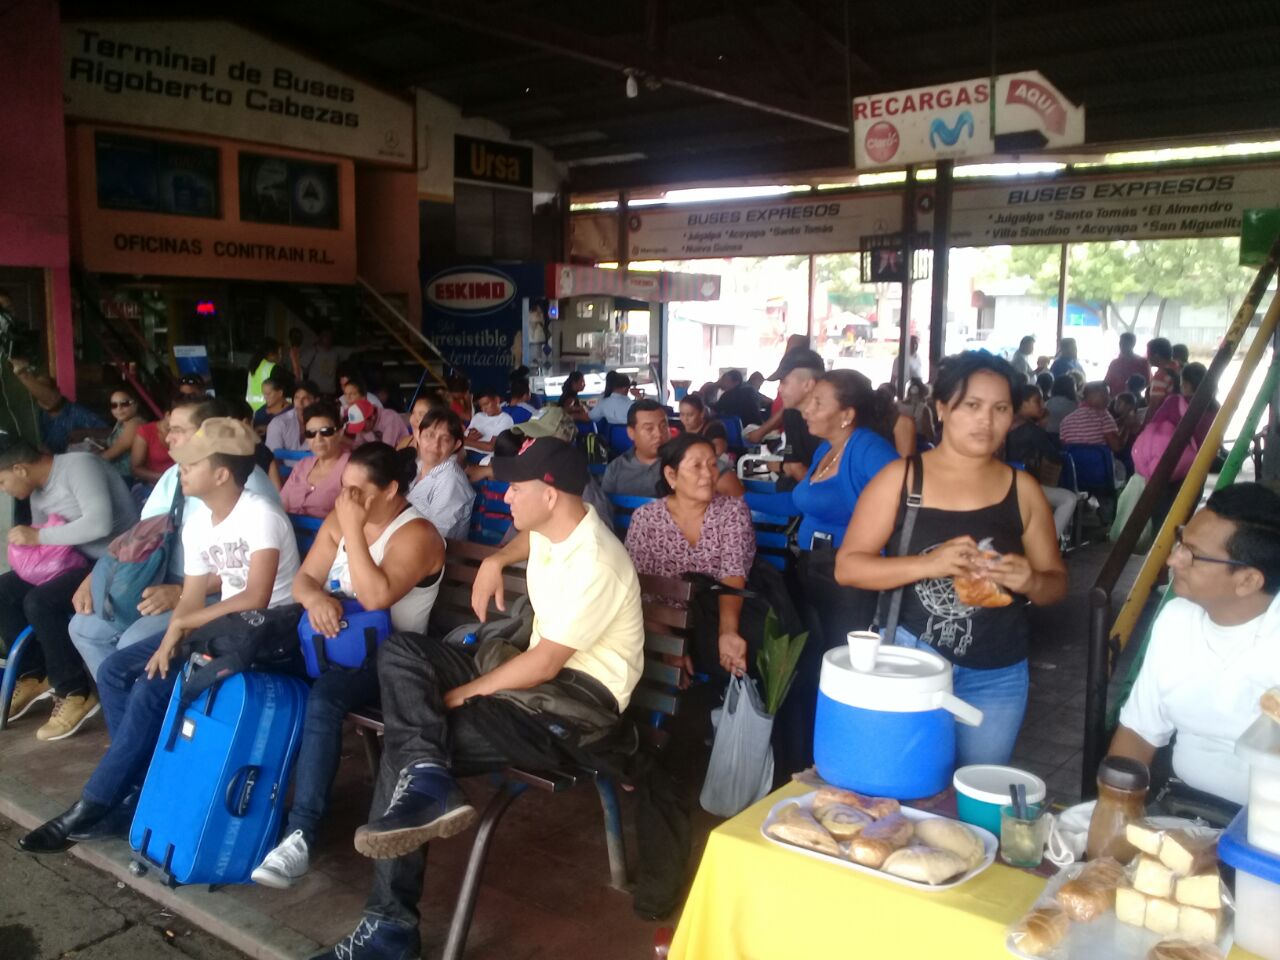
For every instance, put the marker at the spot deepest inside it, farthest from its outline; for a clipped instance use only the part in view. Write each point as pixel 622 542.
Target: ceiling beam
pixel 767 38
pixel 629 114
pixel 809 11
pixel 689 141
pixel 618 57
pixel 453 72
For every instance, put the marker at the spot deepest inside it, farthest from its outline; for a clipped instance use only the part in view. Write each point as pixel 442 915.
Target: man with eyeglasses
pixel 1214 650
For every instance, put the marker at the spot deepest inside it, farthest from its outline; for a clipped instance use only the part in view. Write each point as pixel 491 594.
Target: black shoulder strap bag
pixel 911 507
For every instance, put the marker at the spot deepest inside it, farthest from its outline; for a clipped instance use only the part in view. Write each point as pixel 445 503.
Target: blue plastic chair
pixel 774 531
pixel 1094 467
pixel 587 426
pixel 733 432
pixel 619 441
pixel 305 529
pixel 623 507
pixel 12 666
pixel 286 460
pixel 760 486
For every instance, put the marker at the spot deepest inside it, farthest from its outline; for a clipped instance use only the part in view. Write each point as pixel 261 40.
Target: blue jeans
pixel 334 695
pixel 1001 695
pixel 97 639
pixel 134 708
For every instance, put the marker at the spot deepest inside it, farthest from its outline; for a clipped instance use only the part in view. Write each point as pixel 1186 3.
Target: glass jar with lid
pixel 1122 798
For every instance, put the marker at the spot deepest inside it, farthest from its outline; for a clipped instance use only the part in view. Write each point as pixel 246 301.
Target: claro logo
pixel 470 291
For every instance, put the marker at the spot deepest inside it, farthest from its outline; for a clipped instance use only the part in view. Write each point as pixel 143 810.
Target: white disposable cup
pixel 864 645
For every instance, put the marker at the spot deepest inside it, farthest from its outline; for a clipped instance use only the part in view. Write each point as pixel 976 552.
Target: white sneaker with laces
pixel 285 864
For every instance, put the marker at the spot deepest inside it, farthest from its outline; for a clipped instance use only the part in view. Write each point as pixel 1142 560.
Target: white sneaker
pixel 285 864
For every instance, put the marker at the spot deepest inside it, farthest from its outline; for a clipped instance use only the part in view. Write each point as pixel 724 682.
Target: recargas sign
pixel 216 78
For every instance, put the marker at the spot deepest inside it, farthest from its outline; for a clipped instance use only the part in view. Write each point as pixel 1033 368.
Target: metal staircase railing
pixel 123 348
pixel 404 333
pixel 1107 639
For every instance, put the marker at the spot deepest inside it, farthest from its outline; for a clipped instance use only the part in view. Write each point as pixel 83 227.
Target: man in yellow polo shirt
pixel 447 713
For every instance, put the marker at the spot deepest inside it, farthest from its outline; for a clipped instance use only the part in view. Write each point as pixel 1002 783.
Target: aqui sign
pixel 955 121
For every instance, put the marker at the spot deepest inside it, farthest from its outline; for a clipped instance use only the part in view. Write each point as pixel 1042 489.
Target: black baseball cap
pixel 548 459
pixel 800 357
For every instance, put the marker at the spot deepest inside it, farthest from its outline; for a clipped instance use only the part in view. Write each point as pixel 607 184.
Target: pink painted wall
pixel 33 165
pixel 387 233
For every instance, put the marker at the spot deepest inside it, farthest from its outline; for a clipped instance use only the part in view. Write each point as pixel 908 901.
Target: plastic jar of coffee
pixel 1122 798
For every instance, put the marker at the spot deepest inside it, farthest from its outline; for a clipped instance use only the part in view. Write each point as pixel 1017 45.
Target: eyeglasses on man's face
pixel 1178 545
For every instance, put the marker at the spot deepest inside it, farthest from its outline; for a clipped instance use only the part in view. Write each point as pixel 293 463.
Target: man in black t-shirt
pixel 797 374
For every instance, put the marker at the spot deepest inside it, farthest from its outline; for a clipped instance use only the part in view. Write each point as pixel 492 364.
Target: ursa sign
pixel 470 290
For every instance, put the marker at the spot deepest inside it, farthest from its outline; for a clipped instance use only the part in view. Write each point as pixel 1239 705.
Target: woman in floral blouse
pixel 692 529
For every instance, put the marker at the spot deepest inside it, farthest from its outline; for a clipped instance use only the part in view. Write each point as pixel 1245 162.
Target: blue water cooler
pixel 889 731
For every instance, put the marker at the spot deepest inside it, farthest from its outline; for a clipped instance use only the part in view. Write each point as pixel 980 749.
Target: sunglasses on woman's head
pixel 322 432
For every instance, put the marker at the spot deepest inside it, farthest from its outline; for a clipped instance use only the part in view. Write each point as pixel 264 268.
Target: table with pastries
pixel 755 899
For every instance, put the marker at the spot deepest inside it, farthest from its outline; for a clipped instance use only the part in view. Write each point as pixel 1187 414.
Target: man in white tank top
pixel 378 549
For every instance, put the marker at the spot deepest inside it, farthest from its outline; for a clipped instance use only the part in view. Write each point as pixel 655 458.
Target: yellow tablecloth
pixel 754 900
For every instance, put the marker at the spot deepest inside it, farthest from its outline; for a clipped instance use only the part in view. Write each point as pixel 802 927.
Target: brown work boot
pixel 27 692
pixel 69 715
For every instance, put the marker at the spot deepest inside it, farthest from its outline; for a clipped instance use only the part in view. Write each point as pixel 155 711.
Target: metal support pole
pixel 941 262
pixel 1062 294
pixel 908 254
pixel 624 234
pixel 1095 693
pixel 813 287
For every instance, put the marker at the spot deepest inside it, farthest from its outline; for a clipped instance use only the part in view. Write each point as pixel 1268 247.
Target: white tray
pixel 989 847
pixel 1105 938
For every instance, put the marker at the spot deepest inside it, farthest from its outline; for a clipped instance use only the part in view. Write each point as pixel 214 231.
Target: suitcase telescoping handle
pixel 240 790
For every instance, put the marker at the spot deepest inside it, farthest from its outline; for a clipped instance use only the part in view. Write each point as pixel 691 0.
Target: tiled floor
pixel 545 891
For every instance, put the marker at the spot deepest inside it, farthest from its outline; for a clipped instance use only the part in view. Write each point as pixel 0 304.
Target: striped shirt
pixel 1087 425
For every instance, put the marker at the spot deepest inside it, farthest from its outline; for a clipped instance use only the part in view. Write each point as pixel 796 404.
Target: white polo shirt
pixel 1204 681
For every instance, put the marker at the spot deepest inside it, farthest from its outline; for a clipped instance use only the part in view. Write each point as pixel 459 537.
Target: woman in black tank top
pixel 967 496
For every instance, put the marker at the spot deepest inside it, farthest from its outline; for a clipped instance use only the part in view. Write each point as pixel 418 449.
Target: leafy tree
pixel 1196 271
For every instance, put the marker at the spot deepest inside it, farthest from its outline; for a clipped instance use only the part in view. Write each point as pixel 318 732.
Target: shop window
pixel 156 176
pixel 294 193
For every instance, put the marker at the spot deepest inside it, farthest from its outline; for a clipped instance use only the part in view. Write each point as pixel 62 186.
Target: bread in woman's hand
pixel 793 825
pixel 981 591
pixel 951 835
pixel 925 864
pixel 1040 930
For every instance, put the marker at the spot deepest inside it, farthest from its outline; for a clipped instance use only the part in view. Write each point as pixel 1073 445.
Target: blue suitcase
pixel 211 803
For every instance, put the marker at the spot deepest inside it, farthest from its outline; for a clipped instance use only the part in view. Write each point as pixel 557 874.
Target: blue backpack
pixel 361 633
pixel 135 560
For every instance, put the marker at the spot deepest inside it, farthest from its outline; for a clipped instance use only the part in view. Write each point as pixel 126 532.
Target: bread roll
pixel 925 865
pixel 793 825
pixel 1085 901
pixel 1187 853
pixel 1040 930
pixel 979 591
pixel 1270 704
pixel 1197 924
pixel 1203 890
pixel 1183 950
pixel 844 822
pixel 1131 906
pixel 1162 916
pixel 1153 878
pixel 877 807
pixel 1143 835
pixel 876 842
pixel 1105 872
pixel 944 834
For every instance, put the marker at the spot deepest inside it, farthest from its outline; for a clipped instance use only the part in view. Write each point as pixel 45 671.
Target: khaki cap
pixel 217 435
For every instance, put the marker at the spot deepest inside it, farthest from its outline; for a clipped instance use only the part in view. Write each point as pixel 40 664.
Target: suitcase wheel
pixel 137 868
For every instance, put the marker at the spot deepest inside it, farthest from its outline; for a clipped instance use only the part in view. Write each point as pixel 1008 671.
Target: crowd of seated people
pixel 388 515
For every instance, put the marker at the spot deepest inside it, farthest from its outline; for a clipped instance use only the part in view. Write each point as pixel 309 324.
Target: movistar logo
pixel 950 135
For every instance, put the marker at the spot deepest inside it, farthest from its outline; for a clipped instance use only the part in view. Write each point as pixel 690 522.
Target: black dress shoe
pixel 55 836
pixel 114 825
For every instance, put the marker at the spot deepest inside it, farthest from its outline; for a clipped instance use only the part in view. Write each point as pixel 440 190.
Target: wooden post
pixel 908 253
pixel 813 286
pixel 1062 294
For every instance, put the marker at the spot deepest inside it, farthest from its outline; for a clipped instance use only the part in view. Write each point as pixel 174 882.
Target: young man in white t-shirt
pixel 439 705
pixel 487 422
pixel 1215 649
pixel 244 543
